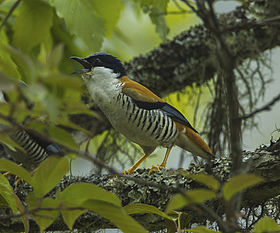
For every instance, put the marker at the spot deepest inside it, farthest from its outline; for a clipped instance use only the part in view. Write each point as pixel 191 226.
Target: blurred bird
pixel 35 147
pixel 137 112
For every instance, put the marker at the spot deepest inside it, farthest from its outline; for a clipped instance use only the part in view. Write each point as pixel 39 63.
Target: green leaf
pixel 9 142
pixel 7 193
pixel 48 174
pixel 202 178
pixel 76 194
pixel 35 92
pixel 115 214
pixel 82 21
pixel 43 218
pixel 36 126
pixel 178 201
pixel 13 168
pixel 201 229
pixel 7 65
pixel 240 183
pixel 62 137
pixel 6 83
pixel 157 10
pixel 70 216
pixel 50 104
pixel 144 209
pixel 64 81
pixel 33 24
pixel 70 124
pixel 160 22
pixel 266 224
pixel 54 58
pixel 110 11
pixel 27 68
pixel 78 108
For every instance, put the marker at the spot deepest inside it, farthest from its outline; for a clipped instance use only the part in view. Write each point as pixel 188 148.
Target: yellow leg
pixel 7 174
pixel 163 164
pixel 19 180
pixel 132 169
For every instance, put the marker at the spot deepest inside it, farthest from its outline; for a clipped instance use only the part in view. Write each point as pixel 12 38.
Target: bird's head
pixel 103 60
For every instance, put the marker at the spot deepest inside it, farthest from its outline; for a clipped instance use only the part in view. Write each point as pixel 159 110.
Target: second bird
pixel 137 112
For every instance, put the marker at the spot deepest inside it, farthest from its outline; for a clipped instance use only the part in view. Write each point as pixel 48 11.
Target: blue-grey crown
pixel 100 60
pixel 106 60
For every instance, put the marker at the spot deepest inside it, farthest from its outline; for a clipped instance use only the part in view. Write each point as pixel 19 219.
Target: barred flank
pixel 35 152
pixel 154 122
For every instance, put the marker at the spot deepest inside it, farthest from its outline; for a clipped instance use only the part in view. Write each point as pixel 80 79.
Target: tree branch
pixel 266 107
pixel 190 58
pixel 14 6
pixel 156 189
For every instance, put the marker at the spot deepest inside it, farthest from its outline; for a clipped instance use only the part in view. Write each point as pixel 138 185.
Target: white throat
pixel 103 85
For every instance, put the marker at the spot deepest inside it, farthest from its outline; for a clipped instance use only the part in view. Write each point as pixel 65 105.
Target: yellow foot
pixel 7 174
pixel 125 172
pixel 18 180
pixel 156 168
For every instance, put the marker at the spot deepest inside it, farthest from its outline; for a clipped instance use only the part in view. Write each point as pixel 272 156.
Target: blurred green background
pixel 38 37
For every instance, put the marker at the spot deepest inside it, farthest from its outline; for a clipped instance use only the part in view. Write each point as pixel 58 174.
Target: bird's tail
pixel 191 141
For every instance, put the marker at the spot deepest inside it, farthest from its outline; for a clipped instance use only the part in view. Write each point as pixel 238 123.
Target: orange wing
pixel 140 93
pixel 137 91
pixel 146 99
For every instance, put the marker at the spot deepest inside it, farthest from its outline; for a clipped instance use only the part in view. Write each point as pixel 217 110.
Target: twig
pixel 226 63
pixel 9 13
pixel 191 7
pixel 172 13
pixel 264 108
pixel 269 21
pixel 33 211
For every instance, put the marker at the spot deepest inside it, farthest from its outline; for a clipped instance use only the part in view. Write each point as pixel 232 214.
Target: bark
pixel 156 189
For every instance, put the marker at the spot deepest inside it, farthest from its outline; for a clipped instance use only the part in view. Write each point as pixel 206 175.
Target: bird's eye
pixel 98 61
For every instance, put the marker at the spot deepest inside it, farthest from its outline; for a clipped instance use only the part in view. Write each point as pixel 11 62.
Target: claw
pixel 126 172
pixel 17 179
pixel 156 168
pixel 7 174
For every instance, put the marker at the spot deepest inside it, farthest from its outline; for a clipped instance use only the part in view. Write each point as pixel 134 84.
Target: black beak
pixel 87 66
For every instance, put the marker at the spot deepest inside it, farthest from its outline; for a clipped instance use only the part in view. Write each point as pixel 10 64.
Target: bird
pixel 35 148
pixel 136 112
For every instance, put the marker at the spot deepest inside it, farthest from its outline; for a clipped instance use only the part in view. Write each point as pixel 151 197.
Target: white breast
pixel 103 87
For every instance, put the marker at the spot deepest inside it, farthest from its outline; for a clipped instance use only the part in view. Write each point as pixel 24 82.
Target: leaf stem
pixel 9 13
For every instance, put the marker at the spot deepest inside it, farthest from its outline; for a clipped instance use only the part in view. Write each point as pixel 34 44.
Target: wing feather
pixel 137 91
pixel 146 99
pixel 197 145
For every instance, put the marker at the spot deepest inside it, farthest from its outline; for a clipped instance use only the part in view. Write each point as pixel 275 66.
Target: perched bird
pixel 35 147
pixel 137 112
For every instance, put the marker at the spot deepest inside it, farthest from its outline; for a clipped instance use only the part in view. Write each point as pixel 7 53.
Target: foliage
pixel 266 224
pixel 37 38
pixel 79 198
pixel 70 203
pixel 36 41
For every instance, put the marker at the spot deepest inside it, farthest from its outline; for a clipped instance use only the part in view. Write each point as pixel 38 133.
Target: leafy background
pixel 36 43
pixel 46 33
